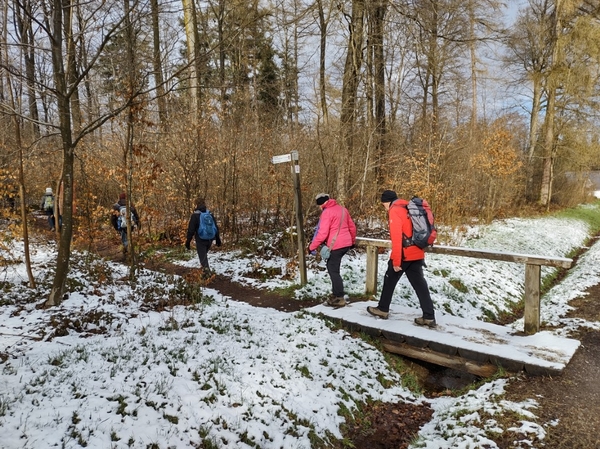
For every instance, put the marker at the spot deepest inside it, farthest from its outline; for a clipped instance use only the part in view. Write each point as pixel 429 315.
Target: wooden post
pixel 293 157
pixel 299 219
pixel 532 298
pixel 372 265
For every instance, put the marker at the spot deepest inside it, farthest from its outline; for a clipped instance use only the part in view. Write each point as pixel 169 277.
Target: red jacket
pixel 400 225
pixel 328 226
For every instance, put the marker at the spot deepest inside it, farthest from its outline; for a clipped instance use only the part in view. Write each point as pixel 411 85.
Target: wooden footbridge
pixel 467 345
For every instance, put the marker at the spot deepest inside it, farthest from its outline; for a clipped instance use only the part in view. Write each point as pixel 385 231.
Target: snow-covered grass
pixel 112 372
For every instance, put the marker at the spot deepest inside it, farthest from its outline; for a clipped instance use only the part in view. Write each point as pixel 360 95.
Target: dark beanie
pixel 321 199
pixel 122 196
pixel 388 196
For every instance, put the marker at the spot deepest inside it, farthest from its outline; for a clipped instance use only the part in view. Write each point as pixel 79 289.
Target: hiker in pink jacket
pixel 337 232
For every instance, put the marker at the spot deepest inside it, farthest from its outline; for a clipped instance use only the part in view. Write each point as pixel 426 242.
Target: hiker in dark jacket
pixel 119 221
pixel 202 245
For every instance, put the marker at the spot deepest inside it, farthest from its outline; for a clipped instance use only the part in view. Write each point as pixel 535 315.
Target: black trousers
pixel 414 273
pixel 202 247
pixel 333 268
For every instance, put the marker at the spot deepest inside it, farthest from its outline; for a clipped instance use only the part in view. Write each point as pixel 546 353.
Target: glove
pixel 218 242
pixel 313 252
pixel 187 245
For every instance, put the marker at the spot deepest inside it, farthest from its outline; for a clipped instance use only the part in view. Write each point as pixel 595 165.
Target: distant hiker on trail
pixel 119 220
pixel 337 233
pixel 203 228
pixel 47 205
pixel 403 259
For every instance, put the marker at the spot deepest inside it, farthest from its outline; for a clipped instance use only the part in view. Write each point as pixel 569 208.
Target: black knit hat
pixel 388 196
pixel 321 199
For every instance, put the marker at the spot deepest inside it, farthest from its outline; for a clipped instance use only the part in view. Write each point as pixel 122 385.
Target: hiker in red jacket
pixel 337 232
pixel 403 259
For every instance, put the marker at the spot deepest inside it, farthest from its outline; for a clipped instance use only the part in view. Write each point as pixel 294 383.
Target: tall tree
pixel 157 62
pixel 192 41
pixel 377 12
pixel 350 83
pixel 24 17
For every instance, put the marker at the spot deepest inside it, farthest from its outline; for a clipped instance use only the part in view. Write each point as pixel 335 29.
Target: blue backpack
pixel 207 230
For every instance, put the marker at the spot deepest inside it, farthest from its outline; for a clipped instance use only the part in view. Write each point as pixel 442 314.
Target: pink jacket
pixel 328 226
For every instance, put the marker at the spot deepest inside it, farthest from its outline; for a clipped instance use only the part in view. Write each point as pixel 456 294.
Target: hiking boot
pixel 379 313
pixel 423 322
pixel 336 302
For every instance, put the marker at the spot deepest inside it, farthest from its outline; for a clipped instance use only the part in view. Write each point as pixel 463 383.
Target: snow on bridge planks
pixel 468 345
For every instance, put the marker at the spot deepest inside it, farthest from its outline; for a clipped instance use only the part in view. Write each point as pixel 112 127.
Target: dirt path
pixel 571 400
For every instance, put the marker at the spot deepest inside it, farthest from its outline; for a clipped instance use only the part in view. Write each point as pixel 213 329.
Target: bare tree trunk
pixel 3 49
pixel 379 69
pixel 352 67
pixel 129 142
pixel 19 144
pixel 64 112
pixel 157 65
pixel 473 56
pixel 23 16
pixel 548 161
pixel 191 34
pixel 71 68
pixel 323 23
pixel 551 87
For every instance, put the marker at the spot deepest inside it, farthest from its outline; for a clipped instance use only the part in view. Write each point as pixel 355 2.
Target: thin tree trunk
pixel 473 56
pixel 71 68
pixel 379 68
pixel 189 21
pixel 58 289
pixel 352 67
pixel 129 141
pixel 23 16
pixel 323 23
pixel 157 65
pixel 19 144
pixel 551 86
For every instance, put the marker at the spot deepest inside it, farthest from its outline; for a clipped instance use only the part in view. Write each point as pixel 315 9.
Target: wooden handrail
pixel 532 263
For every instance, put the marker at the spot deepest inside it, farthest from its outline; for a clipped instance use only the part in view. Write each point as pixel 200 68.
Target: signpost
pixel 293 156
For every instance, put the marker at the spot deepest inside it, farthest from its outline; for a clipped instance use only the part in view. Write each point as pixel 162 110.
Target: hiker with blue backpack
pixel 203 228
pixel 408 255
pixel 119 220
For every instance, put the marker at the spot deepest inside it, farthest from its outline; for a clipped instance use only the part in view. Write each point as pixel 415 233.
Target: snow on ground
pixel 228 375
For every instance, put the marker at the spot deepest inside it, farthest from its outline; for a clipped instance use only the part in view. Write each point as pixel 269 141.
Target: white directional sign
pixel 281 158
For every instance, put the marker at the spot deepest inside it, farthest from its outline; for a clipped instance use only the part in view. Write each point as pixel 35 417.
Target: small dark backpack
pixel 421 216
pixel 207 230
